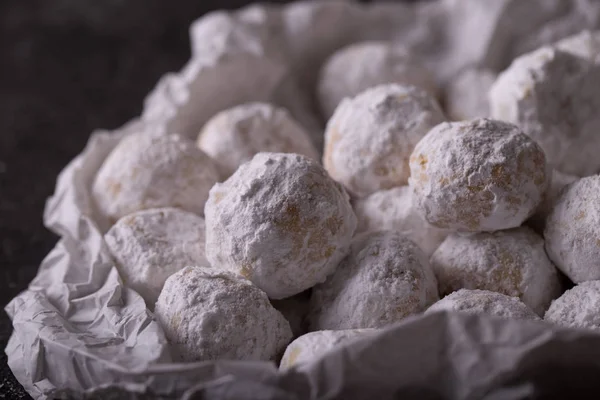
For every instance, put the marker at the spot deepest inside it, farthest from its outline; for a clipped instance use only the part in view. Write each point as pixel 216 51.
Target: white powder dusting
pixel 370 137
pixel 151 245
pixel 553 96
pixel 384 279
pixel 393 210
pixel 234 136
pixel 484 302
pixel 557 184
pixel 572 230
pixel 511 262
pixel 477 175
pixel 295 310
pixel 466 94
pixel 279 221
pixel 208 314
pixel 578 307
pixel 151 171
pixel 313 345
pixel 358 67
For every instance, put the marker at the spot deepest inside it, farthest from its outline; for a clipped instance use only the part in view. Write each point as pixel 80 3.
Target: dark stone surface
pixel 66 68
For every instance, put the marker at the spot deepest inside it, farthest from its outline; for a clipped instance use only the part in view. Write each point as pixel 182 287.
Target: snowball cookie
pixel 477 175
pixel 578 307
pixel 313 345
pixel 466 95
pixel 572 230
pixel 557 183
pixel 149 246
pixel 233 136
pixel 393 210
pixel 585 44
pixel 385 278
pixel 484 302
pixel 511 262
pixel 553 96
pixel 210 314
pixel 150 171
pixel 279 221
pixel 361 66
pixel 370 137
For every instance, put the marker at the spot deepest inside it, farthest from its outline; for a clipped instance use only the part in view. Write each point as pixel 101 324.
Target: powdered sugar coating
pixel 477 175
pixel 553 96
pixel 151 245
pixel 313 345
pixel 585 44
pixel 393 210
pixel 360 66
pixel 369 138
pixel 279 221
pixel 511 262
pixel 557 183
pixel 572 230
pixel 150 171
pixel 210 314
pixel 385 278
pixel 578 307
pixel 234 136
pixel 466 94
pixel 484 302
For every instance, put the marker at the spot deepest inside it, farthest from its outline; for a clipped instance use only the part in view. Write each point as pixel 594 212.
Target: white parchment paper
pixel 79 333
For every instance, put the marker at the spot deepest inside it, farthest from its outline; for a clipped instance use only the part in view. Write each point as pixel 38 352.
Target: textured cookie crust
pixel 553 96
pixel 511 262
pixel 384 279
pixel 151 245
pixel 313 345
pixel 209 314
pixel 279 221
pixel 361 66
pixel 484 302
pixel 572 230
pixel 578 307
pixel 234 136
pixel 370 137
pixel 393 210
pixel 477 175
pixel 150 171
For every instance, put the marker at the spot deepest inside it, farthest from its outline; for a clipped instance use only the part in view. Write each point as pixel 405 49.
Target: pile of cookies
pixel 356 182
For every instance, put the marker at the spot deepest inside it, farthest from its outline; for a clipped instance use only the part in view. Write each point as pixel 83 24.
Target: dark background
pixel 66 68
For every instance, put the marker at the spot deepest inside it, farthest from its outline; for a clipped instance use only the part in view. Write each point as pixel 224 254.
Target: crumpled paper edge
pixel 51 324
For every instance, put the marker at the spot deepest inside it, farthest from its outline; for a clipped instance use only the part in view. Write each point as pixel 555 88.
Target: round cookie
pixel 557 183
pixel 477 175
pixel 466 94
pixel 572 231
pixel 295 310
pixel 393 210
pixel 384 279
pixel 279 221
pixel 209 314
pixel 150 171
pixel 511 262
pixel 553 96
pixel 313 345
pixel 361 66
pixel 370 137
pixel 151 245
pixel 484 302
pixel 235 135
pixel 578 307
